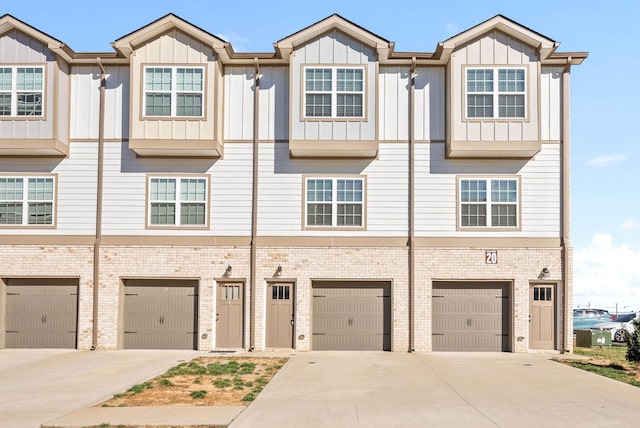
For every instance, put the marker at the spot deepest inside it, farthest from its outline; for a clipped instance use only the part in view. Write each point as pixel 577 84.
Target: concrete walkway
pixel 323 389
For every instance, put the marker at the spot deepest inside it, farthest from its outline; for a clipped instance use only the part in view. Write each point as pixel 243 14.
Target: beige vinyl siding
pixel 174 48
pixel 494 50
pixel 16 48
pixel 85 102
pixel 124 205
pixel 551 103
pixel 334 49
pixel 436 193
pixel 429 104
pixel 280 202
pixel 75 202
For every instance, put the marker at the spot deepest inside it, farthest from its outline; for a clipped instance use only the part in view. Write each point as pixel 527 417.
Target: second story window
pixel 496 93
pixel 173 91
pixel 334 202
pixel 177 201
pixel 488 203
pixel 334 92
pixel 26 201
pixel 21 91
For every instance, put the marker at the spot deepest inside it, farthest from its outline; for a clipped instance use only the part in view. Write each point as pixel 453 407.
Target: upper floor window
pixel 496 93
pixel 21 91
pixel 334 92
pixel 177 201
pixel 488 203
pixel 26 201
pixel 334 202
pixel 173 91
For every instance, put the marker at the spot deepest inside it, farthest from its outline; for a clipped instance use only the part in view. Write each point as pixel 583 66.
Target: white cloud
pixel 630 225
pixel 452 29
pixel 238 42
pixel 607 160
pixel 606 275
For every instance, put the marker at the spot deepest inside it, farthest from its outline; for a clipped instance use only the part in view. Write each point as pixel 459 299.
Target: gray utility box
pixel 591 338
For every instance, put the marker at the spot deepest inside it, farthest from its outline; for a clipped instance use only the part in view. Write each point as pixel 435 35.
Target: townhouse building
pixel 334 194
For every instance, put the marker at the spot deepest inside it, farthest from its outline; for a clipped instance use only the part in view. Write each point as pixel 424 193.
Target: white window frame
pixel 333 92
pixel 173 91
pixel 491 201
pixel 334 203
pixel 14 92
pixel 27 202
pixel 178 201
pixel 496 93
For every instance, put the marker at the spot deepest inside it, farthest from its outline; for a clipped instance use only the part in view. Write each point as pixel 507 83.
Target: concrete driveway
pixel 39 385
pixel 347 389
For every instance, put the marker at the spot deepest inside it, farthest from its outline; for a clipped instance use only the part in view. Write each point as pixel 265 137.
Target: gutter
pixel 565 244
pixel 412 253
pixel 254 207
pixel 96 244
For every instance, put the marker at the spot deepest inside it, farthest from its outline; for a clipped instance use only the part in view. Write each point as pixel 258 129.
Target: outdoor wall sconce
pixel 279 271
pixel 544 273
pixel 227 271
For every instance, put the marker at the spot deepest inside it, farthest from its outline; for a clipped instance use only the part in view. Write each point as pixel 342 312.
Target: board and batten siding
pixel 551 103
pixel 170 49
pixel 494 49
pixel 436 193
pixel 333 48
pixel 16 48
pixel 280 199
pixel 85 102
pixel 76 189
pixel 429 104
pixel 124 204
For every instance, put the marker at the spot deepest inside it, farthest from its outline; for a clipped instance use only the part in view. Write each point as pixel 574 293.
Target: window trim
pixel 334 117
pixel 496 93
pixel 25 200
pixel 173 92
pixel 488 179
pixel 334 202
pixel 14 91
pixel 178 178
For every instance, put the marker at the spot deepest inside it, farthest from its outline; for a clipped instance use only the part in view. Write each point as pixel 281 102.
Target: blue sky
pixel 604 145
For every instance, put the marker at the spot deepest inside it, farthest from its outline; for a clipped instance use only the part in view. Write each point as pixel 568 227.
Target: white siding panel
pixel 238 94
pixel 551 103
pixel 274 104
pixel 281 191
pixel 76 197
pixel 429 103
pixel 436 193
pixel 125 187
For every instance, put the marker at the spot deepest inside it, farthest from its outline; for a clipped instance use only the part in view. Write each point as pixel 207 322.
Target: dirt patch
pixel 204 381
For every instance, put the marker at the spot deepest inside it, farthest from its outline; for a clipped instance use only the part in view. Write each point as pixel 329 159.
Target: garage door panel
pixel 160 315
pixel 470 317
pixel 41 313
pixel 351 316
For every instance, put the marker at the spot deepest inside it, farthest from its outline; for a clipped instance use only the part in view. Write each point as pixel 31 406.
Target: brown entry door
pixel 229 315
pixel 279 316
pixel 541 317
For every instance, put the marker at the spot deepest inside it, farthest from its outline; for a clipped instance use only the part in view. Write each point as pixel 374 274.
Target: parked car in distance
pixel 584 319
pixel 620 327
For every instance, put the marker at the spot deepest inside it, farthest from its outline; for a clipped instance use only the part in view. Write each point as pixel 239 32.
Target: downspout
pixel 565 207
pixel 412 253
pixel 254 208
pixel 96 244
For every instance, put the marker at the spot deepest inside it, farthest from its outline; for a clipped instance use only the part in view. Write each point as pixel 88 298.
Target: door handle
pixel 293 322
pixel 217 317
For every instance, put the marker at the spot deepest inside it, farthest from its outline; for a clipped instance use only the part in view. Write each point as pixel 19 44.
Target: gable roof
pixel 543 44
pixel 9 23
pixel 126 44
pixel 382 46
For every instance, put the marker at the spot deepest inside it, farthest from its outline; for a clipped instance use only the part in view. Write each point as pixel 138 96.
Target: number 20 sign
pixel 491 257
